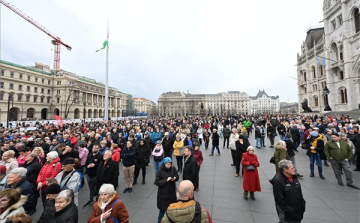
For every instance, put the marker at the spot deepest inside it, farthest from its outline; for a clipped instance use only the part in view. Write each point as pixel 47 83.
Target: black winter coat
pixel 226 132
pixel 215 139
pixel 48 213
pixel 33 170
pixel 128 156
pixel 107 174
pixel 357 143
pixel 191 171
pixel 257 133
pixel 290 147
pixel 67 215
pixel 289 201
pixel 240 148
pixel 142 156
pixel 72 154
pixel 295 134
pixel 168 144
pixel 166 190
pixel 27 190
pixel 91 172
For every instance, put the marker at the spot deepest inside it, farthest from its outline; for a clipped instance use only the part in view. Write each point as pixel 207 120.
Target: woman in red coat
pixel 51 169
pixel 251 180
pixel 198 157
pixel 116 151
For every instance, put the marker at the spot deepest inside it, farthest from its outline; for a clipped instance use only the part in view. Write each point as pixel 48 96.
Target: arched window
pixel 343 96
pixel 313 71
pixel 357 20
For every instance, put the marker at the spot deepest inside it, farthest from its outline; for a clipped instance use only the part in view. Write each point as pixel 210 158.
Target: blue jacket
pixel 27 190
pixel 128 156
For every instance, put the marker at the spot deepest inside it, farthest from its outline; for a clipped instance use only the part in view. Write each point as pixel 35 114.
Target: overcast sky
pixel 159 46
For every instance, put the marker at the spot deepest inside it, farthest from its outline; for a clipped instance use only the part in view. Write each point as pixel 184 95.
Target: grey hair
pixel 33 155
pixel 284 164
pixel 20 171
pixel 53 155
pixel 67 194
pixel 107 188
pixel 250 148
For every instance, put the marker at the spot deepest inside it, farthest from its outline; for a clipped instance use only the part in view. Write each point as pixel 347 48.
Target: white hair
pixel 20 171
pixel 109 188
pixel 67 194
pixel 53 155
pixel 250 148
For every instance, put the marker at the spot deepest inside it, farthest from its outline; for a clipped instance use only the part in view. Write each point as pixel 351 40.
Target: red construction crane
pixel 56 40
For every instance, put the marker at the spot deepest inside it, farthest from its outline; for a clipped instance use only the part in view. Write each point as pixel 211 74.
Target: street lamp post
pixel 10 98
pixel 326 92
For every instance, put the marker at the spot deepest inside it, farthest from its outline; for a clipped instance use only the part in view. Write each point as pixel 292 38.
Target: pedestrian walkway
pixel 221 193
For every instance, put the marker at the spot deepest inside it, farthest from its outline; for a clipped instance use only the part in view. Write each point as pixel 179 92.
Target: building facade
pixel 40 93
pixel 229 103
pixel 340 48
pixel 264 104
pixel 144 106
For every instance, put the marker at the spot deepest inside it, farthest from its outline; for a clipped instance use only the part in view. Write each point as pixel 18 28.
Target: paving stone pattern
pixel 221 193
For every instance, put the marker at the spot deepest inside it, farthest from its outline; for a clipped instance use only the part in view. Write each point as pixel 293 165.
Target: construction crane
pixel 56 40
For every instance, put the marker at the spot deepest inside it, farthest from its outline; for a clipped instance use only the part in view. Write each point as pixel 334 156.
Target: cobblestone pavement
pixel 221 193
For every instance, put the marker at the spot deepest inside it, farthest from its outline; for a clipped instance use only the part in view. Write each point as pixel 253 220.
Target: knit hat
pixel 68 161
pixel 2 169
pixel 53 189
pixel 167 160
pixel 314 133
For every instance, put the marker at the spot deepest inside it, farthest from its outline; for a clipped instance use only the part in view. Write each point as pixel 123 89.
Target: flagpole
pixel 106 76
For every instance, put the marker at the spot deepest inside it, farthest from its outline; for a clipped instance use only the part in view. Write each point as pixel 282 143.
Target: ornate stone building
pixel 40 93
pixel 143 105
pixel 340 46
pixel 180 103
pixel 264 104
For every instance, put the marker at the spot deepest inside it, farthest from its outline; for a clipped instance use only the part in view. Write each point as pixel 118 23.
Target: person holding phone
pixel 166 178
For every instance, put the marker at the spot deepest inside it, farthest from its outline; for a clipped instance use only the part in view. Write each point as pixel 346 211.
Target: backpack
pixel 82 181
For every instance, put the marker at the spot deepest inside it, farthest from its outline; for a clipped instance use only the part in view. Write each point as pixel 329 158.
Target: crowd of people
pixel 53 163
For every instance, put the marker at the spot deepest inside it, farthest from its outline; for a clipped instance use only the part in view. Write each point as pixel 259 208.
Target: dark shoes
pixel 341 183
pixel 126 190
pixel 129 190
pixel 322 177
pixel 325 164
pixel 88 204
pixel 232 164
pixel 135 182
pixel 252 198
pixel 356 169
pixel 245 198
pixel 353 186
pixel 311 175
pixel 299 175
pixel 143 182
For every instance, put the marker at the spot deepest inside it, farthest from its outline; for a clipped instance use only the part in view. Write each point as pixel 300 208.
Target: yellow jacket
pixel 178 145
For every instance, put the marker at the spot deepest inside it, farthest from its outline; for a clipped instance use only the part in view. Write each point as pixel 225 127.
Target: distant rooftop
pixel 24 67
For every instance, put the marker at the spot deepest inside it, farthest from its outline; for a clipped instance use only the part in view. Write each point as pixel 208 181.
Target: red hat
pixel 2 169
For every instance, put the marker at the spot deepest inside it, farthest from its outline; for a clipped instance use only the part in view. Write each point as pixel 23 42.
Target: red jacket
pixel 116 155
pixel 49 170
pixel 118 212
pixel 199 157
pixel 251 181
pixel 73 140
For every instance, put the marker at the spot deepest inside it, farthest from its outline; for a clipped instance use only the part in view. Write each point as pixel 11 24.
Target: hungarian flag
pixel 105 44
pixel 59 120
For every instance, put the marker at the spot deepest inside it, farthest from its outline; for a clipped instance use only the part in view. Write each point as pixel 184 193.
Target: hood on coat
pixel 182 211
pixel 20 203
pixel 280 147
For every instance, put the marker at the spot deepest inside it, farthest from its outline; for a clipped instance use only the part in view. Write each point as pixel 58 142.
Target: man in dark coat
pixel 92 164
pixel 68 152
pixel 226 133
pixel 191 169
pixel 33 169
pixel 215 142
pixel 17 178
pixel 166 178
pixel 295 135
pixel 108 172
pixel 167 144
pixel 142 160
pixel 128 156
pixel 289 201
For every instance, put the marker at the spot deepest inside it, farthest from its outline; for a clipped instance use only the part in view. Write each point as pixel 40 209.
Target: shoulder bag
pixel 250 168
